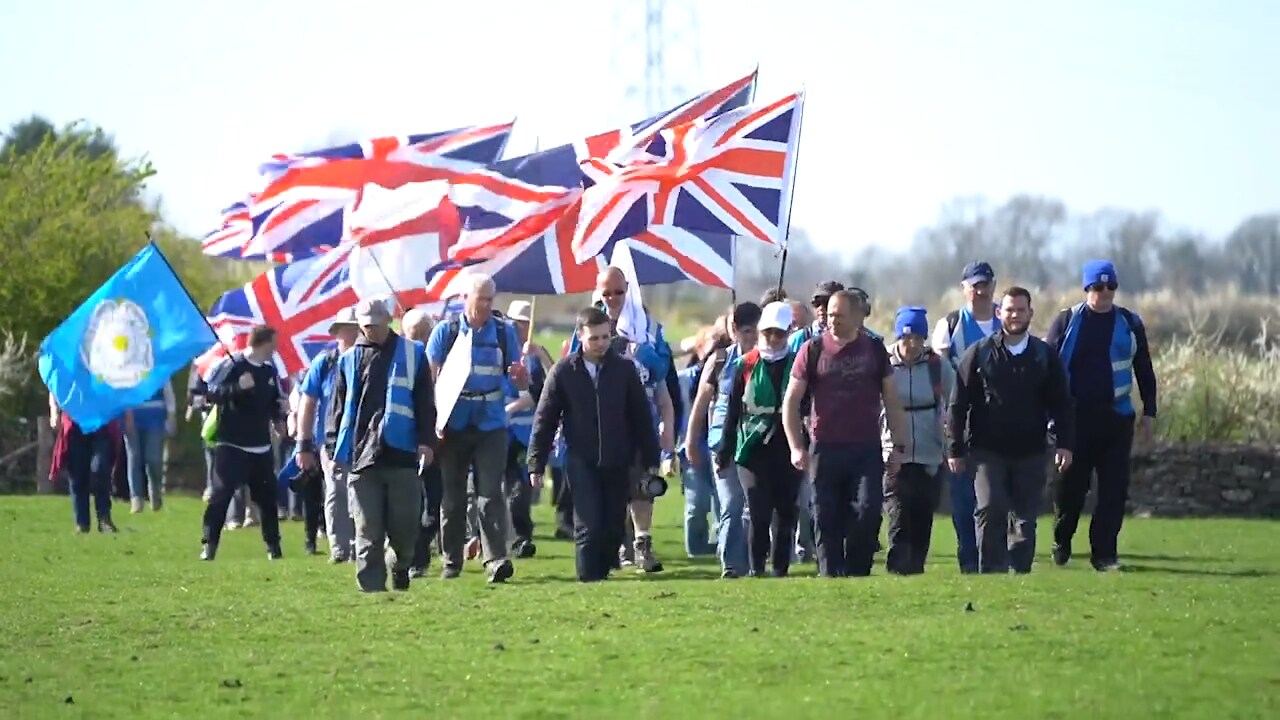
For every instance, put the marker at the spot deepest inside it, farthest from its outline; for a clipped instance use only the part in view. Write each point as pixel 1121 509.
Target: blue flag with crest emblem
pixel 122 345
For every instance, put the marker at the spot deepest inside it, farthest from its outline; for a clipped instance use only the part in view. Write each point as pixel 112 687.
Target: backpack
pixel 455 327
pixel 815 354
pixel 1039 347
pixel 934 361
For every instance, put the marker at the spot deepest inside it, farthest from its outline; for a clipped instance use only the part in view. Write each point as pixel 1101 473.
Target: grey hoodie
pixel 915 389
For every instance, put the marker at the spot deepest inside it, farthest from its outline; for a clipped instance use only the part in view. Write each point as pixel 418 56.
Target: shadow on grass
pixel 629 576
pixel 1247 573
pixel 1177 558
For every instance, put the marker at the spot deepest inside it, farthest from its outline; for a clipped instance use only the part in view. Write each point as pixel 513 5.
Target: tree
pixel 27 136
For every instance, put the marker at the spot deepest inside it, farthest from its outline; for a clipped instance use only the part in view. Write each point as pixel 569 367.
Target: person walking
pixel 314 394
pixel 712 399
pixel 698 478
pixel 520 409
pixel 978 318
pixel 146 427
pixel 847 374
pixel 1104 348
pixel 381 431
pixel 756 443
pixel 87 459
pixel 597 395
pixel 247 393
pixel 1008 388
pixel 476 433
pixel 911 495
pixel 417 326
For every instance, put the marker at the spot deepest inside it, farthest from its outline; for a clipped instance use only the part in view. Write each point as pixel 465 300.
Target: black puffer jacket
pixel 607 421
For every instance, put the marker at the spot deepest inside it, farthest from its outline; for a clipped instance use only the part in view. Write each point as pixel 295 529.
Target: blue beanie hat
pixel 1098 272
pixel 911 320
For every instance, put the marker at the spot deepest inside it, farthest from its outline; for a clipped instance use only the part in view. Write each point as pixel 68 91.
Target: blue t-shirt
pixel 487 376
pixel 317 383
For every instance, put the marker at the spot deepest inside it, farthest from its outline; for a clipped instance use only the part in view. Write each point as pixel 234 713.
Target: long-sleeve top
pixel 777 441
pixel 925 414
pixel 370 450
pixel 607 421
pixel 1091 376
pixel 1005 405
pixel 244 416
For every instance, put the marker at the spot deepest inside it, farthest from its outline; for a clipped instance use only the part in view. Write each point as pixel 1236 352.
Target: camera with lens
pixel 652 486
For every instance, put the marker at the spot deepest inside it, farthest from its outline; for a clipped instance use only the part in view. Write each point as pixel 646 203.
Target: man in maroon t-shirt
pixel 847 382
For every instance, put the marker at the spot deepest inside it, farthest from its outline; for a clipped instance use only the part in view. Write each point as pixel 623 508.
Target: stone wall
pixel 1193 479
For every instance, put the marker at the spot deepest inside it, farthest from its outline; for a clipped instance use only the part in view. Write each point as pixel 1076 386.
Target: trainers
pixel 135 505
pixel 1107 566
pixel 417 572
pixel 337 559
pixel 400 580
pixel 501 571
pixel 1061 554
pixel 626 556
pixel 309 548
pixel 274 552
pixel 644 555
pixel 450 572
pixel 728 574
pixel 525 549
pixel 82 529
pixel 106 526
pixel 208 552
pixel 156 503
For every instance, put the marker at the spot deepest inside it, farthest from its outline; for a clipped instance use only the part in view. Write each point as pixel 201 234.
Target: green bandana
pixel 762 408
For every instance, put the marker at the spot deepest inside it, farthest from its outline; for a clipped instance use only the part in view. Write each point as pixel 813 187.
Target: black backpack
pixel 455 327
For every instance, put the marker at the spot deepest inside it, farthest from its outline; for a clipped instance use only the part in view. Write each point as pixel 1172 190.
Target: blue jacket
pixel 482 405
pixel 399 425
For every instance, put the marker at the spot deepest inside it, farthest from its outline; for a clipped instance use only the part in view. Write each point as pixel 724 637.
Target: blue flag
pixel 121 346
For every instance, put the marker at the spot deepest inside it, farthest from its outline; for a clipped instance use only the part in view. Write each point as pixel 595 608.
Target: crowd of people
pixel 792 426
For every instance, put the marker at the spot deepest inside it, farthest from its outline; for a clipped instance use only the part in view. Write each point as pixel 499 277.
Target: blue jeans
pixel 700 498
pixel 848 497
pixel 731 531
pixel 144 448
pixel 89 460
pixel 963 504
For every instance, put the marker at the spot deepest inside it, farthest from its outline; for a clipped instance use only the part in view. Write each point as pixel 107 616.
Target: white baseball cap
pixel 775 316
pixel 520 310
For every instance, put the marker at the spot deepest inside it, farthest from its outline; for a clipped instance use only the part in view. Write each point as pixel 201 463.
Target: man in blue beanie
pixel 1104 349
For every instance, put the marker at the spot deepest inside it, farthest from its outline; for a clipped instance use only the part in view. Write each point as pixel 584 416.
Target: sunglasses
pixel 613 293
pixel 1099 287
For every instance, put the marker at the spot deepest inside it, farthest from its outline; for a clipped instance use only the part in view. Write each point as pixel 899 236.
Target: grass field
pixel 132 626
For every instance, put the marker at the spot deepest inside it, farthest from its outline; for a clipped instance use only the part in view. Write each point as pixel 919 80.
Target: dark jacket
pixel 1004 405
pixel 369 450
pixel 607 422
pixel 245 416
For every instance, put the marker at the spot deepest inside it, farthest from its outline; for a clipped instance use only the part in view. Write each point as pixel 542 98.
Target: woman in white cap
pixel 754 439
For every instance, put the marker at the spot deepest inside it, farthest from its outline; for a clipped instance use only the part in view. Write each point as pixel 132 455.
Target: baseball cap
pixel 520 310
pixel 372 312
pixel 1099 272
pixel 345 317
pixel 826 289
pixel 978 271
pixel 776 316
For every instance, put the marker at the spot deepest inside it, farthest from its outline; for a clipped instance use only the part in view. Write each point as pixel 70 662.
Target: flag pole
pixel 782 269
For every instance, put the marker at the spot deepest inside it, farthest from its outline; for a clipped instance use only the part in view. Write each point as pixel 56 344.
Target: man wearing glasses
pixel 1104 349
pixel 954 334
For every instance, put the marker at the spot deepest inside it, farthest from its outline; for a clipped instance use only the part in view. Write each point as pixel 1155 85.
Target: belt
pixel 914 408
pixel 490 396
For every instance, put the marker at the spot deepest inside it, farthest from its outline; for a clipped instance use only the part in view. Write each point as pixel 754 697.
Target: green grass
pixel 133 626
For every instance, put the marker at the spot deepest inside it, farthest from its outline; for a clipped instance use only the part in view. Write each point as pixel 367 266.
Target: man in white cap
pixel 381 428
pixel 313 404
pixel 520 407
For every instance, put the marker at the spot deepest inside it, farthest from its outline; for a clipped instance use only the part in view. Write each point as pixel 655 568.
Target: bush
pixel 1211 393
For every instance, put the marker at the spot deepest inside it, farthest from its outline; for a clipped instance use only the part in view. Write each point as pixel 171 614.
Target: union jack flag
pixel 298 211
pixel 520 215
pixel 728 174
pixel 299 300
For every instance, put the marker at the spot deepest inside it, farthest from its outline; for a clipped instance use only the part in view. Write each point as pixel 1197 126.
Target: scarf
pixel 770 355
pixel 763 410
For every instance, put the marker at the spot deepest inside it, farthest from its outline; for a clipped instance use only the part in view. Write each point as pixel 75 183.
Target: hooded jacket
pixel 925 441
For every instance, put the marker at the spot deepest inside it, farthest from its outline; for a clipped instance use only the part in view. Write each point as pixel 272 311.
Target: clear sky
pixel 1148 104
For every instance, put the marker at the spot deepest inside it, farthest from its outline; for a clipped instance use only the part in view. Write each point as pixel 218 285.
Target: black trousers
pixel 848 494
pixel 1104 440
pixel 311 494
pixel 1009 492
pixel 911 497
pixel 771 485
pixel 432 490
pixel 599 516
pixel 233 468
pixel 518 492
pixel 563 499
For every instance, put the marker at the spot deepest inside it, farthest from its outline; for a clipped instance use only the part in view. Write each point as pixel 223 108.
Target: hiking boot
pixel 309 548
pixel 106 526
pixel 728 574
pixel 626 556
pixel 501 571
pixel 156 503
pixel 337 559
pixel 400 580
pixel 644 555
pixel 208 552
pixel 82 529
pixel 1061 554
pixel 274 552
pixel 135 505
pixel 417 572
pixel 1107 565
pixel 450 572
